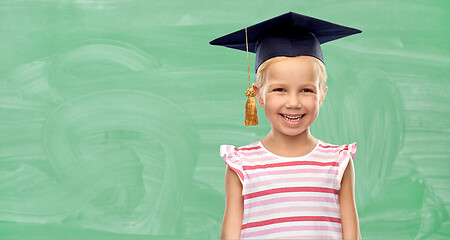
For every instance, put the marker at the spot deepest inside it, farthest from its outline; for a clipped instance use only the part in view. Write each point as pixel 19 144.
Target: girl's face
pixel 292 91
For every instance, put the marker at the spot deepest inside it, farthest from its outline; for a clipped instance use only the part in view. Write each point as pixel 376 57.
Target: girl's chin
pixel 290 131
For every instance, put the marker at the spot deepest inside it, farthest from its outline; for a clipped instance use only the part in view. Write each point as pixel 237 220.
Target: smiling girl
pixel 289 184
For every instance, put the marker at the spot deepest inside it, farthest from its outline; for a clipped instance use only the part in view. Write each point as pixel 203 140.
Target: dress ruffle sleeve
pixel 345 152
pixel 232 158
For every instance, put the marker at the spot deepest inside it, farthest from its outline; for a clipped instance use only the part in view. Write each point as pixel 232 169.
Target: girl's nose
pixel 293 101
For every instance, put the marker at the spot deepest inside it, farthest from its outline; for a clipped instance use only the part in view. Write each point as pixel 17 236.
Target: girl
pixel 289 184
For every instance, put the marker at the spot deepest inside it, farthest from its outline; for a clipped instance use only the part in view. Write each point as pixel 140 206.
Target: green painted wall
pixel 112 113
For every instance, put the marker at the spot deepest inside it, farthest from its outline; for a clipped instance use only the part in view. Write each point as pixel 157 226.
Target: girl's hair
pixel 319 68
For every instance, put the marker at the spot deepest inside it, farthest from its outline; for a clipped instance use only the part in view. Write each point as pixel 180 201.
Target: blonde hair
pixel 319 68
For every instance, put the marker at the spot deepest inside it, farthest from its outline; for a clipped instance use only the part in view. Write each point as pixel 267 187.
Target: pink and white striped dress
pixel 290 197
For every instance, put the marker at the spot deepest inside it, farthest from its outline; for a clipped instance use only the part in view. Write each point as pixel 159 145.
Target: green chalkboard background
pixel 112 114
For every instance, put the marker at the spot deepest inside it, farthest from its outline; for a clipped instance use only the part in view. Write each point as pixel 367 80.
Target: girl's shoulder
pixel 345 153
pixel 233 157
pixel 348 147
pixel 238 150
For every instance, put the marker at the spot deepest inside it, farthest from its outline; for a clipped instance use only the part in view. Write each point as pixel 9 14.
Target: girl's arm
pixel 349 215
pixel 234 208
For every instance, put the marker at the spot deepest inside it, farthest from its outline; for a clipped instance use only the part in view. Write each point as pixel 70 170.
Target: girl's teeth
pixel 294 119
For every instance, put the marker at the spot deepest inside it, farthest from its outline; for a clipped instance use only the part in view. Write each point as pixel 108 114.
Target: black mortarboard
pixel 290 34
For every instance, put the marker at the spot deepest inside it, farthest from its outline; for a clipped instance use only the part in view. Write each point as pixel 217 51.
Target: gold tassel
pixel 251 116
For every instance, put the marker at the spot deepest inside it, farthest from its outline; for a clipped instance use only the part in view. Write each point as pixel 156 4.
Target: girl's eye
pixel 308 89
pixel 278 89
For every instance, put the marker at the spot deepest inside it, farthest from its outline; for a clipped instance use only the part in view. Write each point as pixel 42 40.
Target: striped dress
pixel 290 197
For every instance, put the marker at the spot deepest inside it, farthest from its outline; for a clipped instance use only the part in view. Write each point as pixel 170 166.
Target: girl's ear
pixel 259 95
pixel 322 97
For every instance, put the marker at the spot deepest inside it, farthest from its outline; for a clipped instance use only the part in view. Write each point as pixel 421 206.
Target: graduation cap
pixel 290 34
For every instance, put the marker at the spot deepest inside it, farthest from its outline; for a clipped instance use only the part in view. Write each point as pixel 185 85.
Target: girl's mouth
pixel 292 118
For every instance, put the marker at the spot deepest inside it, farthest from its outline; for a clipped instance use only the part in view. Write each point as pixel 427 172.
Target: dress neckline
pixel 278 156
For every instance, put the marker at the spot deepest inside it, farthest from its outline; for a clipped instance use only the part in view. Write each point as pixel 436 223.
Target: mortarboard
pixel 290 34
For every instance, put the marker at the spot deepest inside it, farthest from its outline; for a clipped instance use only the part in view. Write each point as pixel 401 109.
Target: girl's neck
pixel 289 145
